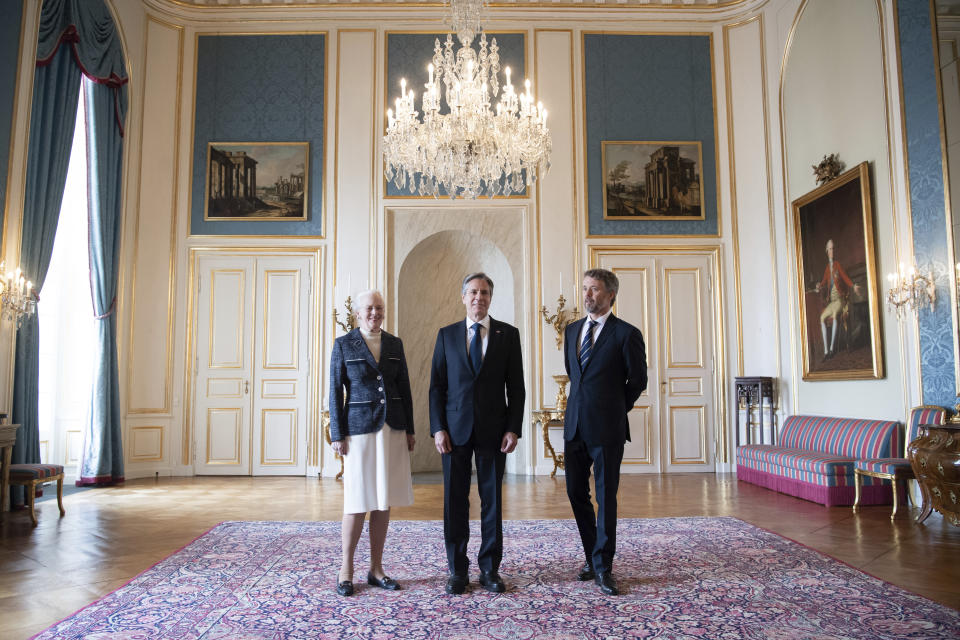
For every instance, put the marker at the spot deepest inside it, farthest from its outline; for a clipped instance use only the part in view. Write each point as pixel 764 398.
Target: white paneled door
pixel 252 364
pixel 669 298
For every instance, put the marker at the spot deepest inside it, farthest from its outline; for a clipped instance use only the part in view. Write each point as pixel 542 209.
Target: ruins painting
pixel 256 181
pixel 652 180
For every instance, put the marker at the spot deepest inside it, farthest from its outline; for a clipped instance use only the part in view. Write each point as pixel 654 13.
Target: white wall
pixel 834 101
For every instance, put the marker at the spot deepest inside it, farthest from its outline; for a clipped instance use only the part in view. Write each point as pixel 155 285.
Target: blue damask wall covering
pixel 408 55
pixel 9 57
pixel 649 88
pixel 927 203
pixel 260 88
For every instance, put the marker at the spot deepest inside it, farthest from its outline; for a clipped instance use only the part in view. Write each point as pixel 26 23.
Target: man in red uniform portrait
pixel 835 288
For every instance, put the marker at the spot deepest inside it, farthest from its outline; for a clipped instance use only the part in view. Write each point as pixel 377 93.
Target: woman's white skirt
pixel 376 471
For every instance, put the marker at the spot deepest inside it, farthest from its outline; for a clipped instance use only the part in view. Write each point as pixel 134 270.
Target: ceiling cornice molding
pixel 213 12
pixel 620 4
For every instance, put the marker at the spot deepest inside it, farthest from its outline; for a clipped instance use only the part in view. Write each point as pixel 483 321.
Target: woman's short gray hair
pixel 474 276
pixel 364 294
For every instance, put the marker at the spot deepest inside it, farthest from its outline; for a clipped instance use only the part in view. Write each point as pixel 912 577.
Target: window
pixel 67 326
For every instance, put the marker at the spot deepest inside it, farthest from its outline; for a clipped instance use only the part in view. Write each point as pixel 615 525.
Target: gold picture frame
pixel 257 181
pixel 837 280
pixel 652 180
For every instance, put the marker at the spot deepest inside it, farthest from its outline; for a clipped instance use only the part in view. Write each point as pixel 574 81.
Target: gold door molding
pixel 667 356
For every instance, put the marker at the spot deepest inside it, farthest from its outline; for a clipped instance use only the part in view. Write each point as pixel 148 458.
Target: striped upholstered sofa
pixel 816 458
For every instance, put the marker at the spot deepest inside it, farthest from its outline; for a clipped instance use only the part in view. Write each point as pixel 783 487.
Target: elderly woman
pixel 371 426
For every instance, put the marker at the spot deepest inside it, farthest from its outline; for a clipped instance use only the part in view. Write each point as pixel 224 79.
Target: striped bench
pixel 817 457
pixel 32 475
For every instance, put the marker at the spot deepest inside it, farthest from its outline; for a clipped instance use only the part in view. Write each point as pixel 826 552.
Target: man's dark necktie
pixel 476 348
pixel 586 347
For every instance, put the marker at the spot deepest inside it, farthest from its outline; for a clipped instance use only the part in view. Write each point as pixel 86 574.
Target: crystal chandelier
pixel 469 149
pixel 17 297
pixel 910 290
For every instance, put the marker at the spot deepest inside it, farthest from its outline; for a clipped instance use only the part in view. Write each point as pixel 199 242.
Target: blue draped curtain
pixel 76 38
pixel 56 87
pixel 102 460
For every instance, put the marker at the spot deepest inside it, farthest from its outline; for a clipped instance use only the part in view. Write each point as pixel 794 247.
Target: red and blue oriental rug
pixel 682 578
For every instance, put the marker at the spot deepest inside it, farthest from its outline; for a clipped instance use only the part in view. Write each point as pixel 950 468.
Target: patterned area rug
pixel 682 578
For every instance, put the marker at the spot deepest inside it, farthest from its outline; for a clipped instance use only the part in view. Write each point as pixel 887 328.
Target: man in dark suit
pixel 607 364
pixel 476 411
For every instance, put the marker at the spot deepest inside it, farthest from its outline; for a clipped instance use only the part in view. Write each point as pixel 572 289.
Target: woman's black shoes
pixel 387 582
pixel 345 587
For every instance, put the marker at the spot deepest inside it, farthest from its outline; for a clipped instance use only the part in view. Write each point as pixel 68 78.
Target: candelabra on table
pixel 548 418
pixel 348 324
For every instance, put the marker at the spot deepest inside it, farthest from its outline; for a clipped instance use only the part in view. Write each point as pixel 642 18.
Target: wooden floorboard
pixel 110 535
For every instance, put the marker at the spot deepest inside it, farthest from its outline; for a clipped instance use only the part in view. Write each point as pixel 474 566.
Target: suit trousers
pixel 598 531
pixel 457 471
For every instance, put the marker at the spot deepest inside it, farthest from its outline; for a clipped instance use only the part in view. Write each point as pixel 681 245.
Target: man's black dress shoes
pixel 456 584
pixel 492 582
pixel 586 572
pixel 387 582
pixel 345 588
pixel 606 583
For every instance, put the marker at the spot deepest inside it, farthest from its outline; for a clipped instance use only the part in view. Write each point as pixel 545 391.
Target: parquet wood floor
pixel 110 535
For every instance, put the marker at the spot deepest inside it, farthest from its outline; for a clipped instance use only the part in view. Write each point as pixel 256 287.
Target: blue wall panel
pixel 260 88
pixel 9 63
pixel 649 88
pixel 927 203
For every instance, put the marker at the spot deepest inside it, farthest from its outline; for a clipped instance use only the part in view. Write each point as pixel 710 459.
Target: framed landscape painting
pixel 256 181
pixel 837 280
pixel 654 180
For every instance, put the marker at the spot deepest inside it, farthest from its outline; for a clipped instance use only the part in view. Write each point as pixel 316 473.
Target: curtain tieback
pixel 113 307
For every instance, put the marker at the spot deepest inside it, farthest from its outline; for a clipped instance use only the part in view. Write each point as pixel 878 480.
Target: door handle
pixel 663 388
pixel 246 387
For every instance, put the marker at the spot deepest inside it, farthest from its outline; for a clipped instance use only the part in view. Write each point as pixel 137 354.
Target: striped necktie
pixel 586 347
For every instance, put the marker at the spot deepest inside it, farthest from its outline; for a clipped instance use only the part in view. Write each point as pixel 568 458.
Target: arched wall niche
pixel 827 108
pixel 429 253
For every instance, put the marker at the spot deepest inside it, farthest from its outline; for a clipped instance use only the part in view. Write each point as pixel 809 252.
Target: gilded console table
pixel 325 425
pixel 935 458
pixel 547 419
pixel 8 436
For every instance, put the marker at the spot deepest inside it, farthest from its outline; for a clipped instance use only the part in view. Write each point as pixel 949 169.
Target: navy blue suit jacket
pixel 487 404
pixel 365 393
pixel 603 392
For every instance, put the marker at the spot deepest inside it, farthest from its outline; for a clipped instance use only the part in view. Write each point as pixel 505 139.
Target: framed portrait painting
pixel 837 280
pixel 257 181
pixel 652 180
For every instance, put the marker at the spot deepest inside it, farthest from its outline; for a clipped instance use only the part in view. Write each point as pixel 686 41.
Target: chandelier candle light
pixel 469 149
pixel 911 289
pixel 17 297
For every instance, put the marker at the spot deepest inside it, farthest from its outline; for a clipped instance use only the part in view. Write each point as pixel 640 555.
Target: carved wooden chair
pixel 896 469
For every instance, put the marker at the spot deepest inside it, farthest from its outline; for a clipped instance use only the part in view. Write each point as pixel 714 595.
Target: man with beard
pixel 607 365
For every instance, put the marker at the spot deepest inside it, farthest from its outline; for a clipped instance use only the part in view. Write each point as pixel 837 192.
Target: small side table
pixel 8 436
pixel 751 392
pixel 546 420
